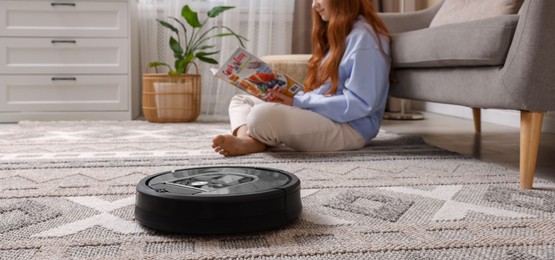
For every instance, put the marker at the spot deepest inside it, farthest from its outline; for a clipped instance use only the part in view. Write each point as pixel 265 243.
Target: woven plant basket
pixel 171 98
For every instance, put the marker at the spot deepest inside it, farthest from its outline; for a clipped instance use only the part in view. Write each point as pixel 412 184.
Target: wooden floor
pixel 498 144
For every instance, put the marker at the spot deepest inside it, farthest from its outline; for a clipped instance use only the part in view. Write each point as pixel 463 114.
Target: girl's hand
pixel 277 97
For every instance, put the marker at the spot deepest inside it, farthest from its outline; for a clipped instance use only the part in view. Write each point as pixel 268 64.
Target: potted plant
pixel 175 96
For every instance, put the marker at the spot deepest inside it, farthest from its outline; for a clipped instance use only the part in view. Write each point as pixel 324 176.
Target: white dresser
pixel 68 60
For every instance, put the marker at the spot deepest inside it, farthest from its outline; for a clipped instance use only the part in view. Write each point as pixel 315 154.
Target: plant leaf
pixel 157 64
pixel 168 25
pixel 203 56
pixel 180 23
pixel 207 60
pixel 176 48
pixel 218 10
pixel 190 16
pixel 224 34
pixel 205 47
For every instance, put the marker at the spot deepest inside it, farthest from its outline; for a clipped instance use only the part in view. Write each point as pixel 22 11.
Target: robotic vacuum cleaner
pixel 218 200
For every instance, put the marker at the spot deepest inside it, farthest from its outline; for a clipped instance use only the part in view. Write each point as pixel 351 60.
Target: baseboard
pixel 495 116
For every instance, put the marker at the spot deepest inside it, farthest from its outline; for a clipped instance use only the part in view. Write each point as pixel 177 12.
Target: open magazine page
pixel 247 72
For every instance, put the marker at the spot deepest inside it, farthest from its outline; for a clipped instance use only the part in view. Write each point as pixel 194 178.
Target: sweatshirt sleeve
pixel 363 88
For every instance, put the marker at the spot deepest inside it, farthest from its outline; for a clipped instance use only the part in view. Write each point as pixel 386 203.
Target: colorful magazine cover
pixel 247 72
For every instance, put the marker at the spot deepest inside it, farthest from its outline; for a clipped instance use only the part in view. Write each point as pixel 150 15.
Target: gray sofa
pixel 505 62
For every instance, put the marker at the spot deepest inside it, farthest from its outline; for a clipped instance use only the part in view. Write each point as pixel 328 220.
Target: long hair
pixel 330 37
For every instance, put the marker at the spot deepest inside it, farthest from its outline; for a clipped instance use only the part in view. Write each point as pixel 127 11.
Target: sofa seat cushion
pixel 476 43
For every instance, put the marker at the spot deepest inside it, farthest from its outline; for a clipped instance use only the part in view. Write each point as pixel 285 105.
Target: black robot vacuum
pixel 218 200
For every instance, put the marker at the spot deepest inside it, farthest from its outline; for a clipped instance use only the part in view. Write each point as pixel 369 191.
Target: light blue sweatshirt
pixel 363 84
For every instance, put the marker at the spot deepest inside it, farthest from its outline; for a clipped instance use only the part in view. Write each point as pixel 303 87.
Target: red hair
pixel 330 37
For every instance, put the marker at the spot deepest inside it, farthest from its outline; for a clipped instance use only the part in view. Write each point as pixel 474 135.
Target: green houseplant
pixel 175 96
pixel 194 43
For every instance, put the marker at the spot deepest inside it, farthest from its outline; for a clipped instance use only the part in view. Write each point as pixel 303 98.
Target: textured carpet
pixel 67 191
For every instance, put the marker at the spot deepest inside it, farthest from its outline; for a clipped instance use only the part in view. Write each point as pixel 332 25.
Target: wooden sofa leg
pixel 530 132
pixel 477 115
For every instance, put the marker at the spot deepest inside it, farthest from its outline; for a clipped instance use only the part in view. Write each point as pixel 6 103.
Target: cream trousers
pixel 300 129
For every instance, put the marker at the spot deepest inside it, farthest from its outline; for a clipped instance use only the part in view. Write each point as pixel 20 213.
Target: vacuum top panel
pixel 218 181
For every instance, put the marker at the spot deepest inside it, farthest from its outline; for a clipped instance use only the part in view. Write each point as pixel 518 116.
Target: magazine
pixel 252 75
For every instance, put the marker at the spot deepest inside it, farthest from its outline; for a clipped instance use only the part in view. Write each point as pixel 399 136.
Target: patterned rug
pixel 67 191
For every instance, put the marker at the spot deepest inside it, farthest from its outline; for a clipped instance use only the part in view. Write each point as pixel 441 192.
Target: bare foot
pixel 230 145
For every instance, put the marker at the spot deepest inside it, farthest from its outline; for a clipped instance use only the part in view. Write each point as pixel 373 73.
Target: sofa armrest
pixel 404 22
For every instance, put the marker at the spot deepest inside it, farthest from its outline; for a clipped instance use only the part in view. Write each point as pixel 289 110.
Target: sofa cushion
pixel 477 43
pixel 457 11
pixel 292 65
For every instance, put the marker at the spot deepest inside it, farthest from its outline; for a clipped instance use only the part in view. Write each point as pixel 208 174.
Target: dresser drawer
pixel 64 93
pixel 63 18
pixel 63 55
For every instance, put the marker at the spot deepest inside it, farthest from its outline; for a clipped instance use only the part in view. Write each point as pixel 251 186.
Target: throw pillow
pixel 456 11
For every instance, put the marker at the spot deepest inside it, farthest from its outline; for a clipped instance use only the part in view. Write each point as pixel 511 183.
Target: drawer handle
pixel 62 4
pixel 64 78
pixel 64 41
